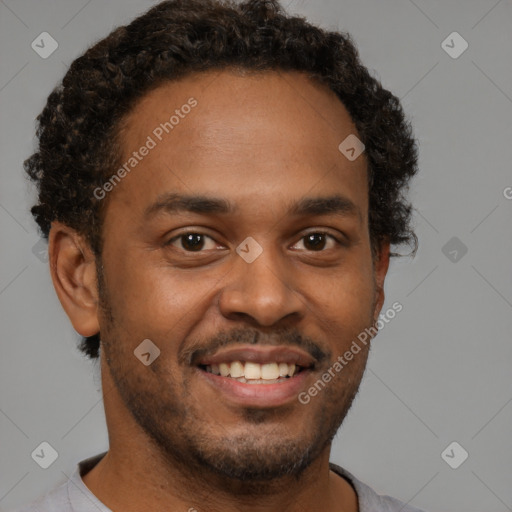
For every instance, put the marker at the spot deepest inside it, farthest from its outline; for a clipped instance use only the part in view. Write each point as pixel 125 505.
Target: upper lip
pixel 259 354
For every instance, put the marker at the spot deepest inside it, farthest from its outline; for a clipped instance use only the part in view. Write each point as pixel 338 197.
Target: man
pixel 220 185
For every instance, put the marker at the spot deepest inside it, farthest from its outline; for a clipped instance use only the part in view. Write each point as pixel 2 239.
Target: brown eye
pixel 314 241
pixel 318 241
pixel 190 242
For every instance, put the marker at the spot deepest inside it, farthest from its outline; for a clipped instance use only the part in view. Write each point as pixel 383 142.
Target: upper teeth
pixel 250 370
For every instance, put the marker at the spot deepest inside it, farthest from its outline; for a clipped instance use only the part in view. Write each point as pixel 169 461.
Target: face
pixel 238 244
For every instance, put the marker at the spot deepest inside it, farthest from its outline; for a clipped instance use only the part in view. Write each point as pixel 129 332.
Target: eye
pixel 191 241
pixel 317 241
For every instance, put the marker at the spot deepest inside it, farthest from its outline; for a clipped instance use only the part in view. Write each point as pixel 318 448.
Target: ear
pixel 73 271
pixel 380 265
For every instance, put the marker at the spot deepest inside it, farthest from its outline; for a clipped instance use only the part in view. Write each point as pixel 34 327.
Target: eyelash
pixel 178 237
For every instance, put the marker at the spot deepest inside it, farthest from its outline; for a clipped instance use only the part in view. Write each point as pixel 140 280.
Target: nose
pixel 262 292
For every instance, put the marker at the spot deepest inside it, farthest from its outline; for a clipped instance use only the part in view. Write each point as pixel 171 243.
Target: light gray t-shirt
pixel 74 496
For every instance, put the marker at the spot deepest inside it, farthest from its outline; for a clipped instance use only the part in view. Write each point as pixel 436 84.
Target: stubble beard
pixel 186 440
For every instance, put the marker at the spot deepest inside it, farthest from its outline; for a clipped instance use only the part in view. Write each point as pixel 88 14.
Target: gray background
pixel 439 372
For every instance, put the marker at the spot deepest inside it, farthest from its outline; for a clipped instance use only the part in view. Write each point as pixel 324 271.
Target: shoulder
pixel 369 500
pixel 70 496
pixel 56 500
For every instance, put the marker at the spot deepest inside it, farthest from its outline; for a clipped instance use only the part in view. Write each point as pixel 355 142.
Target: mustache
pixel 283 337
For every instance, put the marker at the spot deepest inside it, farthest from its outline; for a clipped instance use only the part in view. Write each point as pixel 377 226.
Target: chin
pixel 250 463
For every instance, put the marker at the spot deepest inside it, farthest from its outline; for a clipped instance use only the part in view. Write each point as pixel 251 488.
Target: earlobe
pixel 73 272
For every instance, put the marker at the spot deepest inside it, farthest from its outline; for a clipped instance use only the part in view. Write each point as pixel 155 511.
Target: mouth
pixel 258 376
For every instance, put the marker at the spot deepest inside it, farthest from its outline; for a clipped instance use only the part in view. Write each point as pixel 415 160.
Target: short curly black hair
pixel 79 147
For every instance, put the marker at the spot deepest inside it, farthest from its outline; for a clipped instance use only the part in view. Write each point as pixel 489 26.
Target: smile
pixel 257 375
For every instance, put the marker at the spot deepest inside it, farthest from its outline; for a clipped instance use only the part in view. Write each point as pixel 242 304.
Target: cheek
pixel 342 302
pixel 155 300
pixel 151 298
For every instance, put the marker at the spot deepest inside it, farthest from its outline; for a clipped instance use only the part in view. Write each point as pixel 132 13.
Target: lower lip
pixel 258 395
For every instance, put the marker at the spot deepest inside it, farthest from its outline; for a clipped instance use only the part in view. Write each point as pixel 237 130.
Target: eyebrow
pixel 306 206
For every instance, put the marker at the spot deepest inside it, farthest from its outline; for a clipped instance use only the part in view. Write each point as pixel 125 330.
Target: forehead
pixel 267 136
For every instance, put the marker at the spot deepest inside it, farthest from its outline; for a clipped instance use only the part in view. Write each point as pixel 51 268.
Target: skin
pixel 262 141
